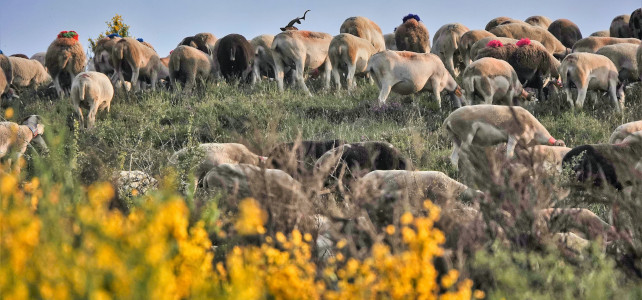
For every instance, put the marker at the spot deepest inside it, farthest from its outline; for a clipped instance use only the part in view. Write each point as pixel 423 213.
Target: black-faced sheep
pixel 590 71
pixel 635 24
pixel 566 32
pixel 467 41
pixel 65 58
pixel 364 28
pixel 234 56
pixel 624 57
pixel 91 90
pixel 187 65
pixel 624 130
pixel 405 72
pixel 445 44
pixel 412 35
pixel 298 158
pixel 143 61
pixel 263 59
pixel 28 73
pixel 540 21
pixel 493 79
pixel 593 43
pixel 349 53
pixel 520 31
pixel 620 27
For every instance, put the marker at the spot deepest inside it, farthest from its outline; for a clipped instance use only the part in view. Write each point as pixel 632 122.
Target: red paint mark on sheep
pixel 523 42
pixel 494 44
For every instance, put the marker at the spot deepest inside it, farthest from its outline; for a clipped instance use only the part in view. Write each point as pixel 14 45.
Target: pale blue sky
pixel 29 26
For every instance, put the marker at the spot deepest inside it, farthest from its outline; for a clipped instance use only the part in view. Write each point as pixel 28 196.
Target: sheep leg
pixel 436 90
pixel 450 65
pixel 386 87
pixel 327 68
pixel 278 72
pixel 619 105
pixel 91 117
pixel 510 146
pixel 352 68
pixel 135 73
pixel 454 157
pixel 58 88
pixel 581 96
pixel 255 73
pixel 298 73
pixel 79 111
pixel 336 76
pixel 154 78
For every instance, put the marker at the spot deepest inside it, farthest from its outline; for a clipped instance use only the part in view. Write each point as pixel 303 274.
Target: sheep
pixel 301 50
pixel 7 76
pixel 540 21
pixel 92 90
pixel 263 58
pixel 467 41
pixel 40 57
pixel 492 79
pixel 601 33
pixel 412 35
pixel 391 44
pixel 415 186
pixel 65 58
pixel 520 31
pixel 488 125
pixel 593 43
pixel 353 53
pixel 213 154
pixel 298 158
pixel 14 137
pixel 543 157
pixel 407 72
pixel 624 130
pixel 566 32
pixel 625 60
pixel 481 44
pixel 28 73
pixel 234 56
pixel 620 27
pixel 204 41
pixel 364 28
pixel 142 60
pixel 532 63
pixel 187 64
pixel 496 22
pixel 445 44
pixel 635 24
pixel 102 54
pixel 590 71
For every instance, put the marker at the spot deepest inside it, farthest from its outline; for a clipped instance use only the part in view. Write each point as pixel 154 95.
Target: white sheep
pixel 366 29
pixel 28 73
pixel 593 43
pixel 488 125
pixel 590 71
pixel 445 44
pixel 93 90
pixel 467 41
pixel 624 130
pixel 391 44
pixel 40 57
pixel 493 79
pixel 624 58
pixel 14 138
pixel 263 59
pixel 353 53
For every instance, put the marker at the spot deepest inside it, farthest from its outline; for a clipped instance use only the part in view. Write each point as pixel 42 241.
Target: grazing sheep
pixel 65 58
pixel 391 44
pixel 28 73
pixel 601 33
pixel 143 61
pixel 14 138
pixel 591 71
pixel 102 54
pixel 412 35
pixel 620 27
pixel 234 56
pixel 407 72
pixel 496 22
pixel 39 57
pixel 624 130
pixel 92 90
pixel 187 64
pixel 214 154
pixel 263 58
pixel 204 41
pixel 413 187
pixel 467 41
pixel 482 43
pixel 540 21
pixel 566 32
pixel 543 157
pixel 635 24
pixel 366 29
pixel 579 221
pixel 298 158
pixel 625 60
pixel 493 79
pixel 593 43
pixel 445 44
pixel 353 53
pixel 520 31
pixel 533 64
pixel 488 125
pixel 301 50
pixel 7 75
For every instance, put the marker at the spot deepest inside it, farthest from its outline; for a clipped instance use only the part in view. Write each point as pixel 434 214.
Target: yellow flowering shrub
pixel 58 243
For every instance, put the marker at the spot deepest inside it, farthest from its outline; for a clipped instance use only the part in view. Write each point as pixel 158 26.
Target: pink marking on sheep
pixel 494 44
pixel 523 42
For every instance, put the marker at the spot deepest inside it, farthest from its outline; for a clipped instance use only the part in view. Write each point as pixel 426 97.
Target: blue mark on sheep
pixel 140 40
pixel 113 35
pixel 1 52
pixel 411 16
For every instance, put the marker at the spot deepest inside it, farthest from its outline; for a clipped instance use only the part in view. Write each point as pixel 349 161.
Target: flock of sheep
pixel 495 64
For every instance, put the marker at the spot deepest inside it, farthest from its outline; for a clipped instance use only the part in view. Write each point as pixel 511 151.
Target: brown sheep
pixel 481 44
pixel 102 54
pixel 540 21
pixel 625 60
pixel 566 32
pixel 143 61
pixel 635 23
pixel 445 44
pixel 263 60
pixel 187 64
pixel 350 51
pixel 364 28
pixel 590 71
pixel 467 41
pixel 412 35
pixel 204 41
pixel 65 58
pixel 496 22
pixel 492 79
pixel 620 27
pixel 14 138
pixel 28 73
pixel 520 31
pixel 593 43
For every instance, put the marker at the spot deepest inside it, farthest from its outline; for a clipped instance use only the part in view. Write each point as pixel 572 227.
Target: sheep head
pixel 290 25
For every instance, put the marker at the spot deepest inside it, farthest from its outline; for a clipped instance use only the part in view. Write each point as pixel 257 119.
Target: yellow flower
pixel 406 218
pixel 8 113
pixel 251 218
pixel 390 229
pixel 479 294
